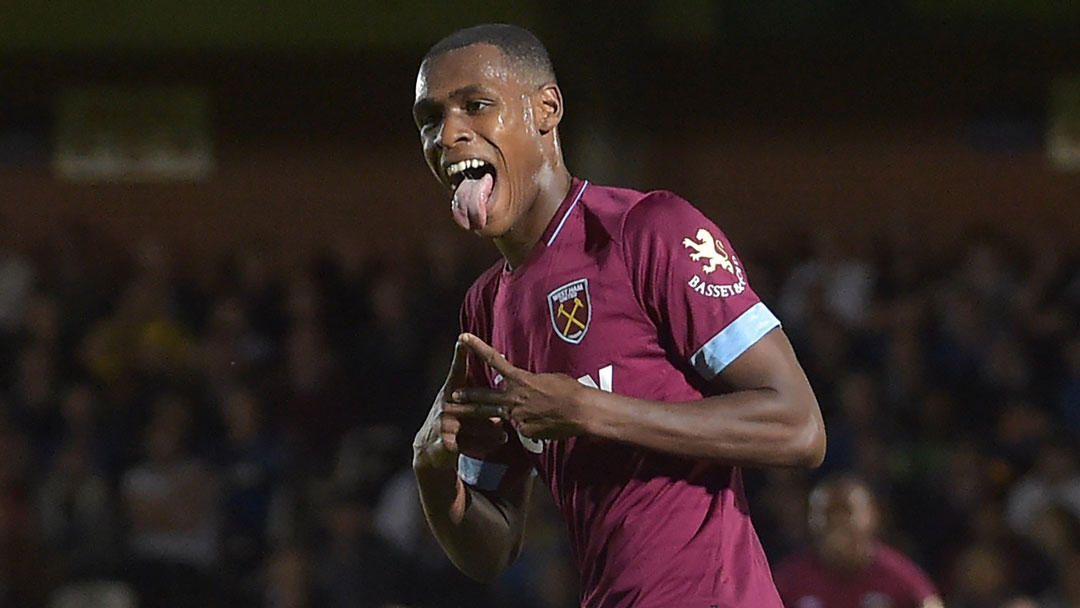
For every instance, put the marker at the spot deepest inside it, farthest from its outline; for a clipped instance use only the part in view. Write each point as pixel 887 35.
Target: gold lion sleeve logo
pixel 710 249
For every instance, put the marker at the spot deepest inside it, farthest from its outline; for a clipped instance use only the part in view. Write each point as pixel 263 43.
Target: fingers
pixel 456 434
pixel 490 356
pixel 459 366
pixel 473 441
pixel 476 410
pixel 484 396
pixel 481 438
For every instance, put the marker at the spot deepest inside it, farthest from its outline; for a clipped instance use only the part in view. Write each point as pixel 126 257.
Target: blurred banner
pixel 1063 135
pixel 133 134
pixel 66 25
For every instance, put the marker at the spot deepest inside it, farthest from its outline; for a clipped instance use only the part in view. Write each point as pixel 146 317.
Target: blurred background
pixel 229 285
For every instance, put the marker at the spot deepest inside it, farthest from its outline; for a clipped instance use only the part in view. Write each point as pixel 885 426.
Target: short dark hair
pixel 517 44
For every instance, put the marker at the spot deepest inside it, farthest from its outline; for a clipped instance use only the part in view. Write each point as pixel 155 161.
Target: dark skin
pixel 473 103
pixel 843 523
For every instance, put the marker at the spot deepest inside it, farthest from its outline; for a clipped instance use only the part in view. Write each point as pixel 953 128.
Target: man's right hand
pixel 452 427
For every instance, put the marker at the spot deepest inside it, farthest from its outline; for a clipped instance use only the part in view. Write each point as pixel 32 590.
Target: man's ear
pixel 550 107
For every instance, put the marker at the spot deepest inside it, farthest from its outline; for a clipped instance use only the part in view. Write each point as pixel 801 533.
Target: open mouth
pixel 472 168
pixel 472 181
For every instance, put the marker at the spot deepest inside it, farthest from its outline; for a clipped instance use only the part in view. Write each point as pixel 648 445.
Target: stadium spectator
pixel 848 567
pixel 252 467
pixel 75 507
pixel 170 499
pixel 957 461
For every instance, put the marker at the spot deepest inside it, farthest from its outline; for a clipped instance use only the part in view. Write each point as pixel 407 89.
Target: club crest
pixel 570 310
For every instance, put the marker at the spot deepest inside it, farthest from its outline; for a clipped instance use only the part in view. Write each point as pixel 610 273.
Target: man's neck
pixel 519 241
pixel 852 565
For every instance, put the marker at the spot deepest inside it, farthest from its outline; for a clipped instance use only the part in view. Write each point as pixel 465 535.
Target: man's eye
pixel 473 107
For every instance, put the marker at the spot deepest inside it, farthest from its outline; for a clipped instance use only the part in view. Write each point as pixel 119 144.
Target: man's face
pixel 843 523
pixel 481 134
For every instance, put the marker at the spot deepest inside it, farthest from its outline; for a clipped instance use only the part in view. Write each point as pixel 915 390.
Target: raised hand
pixel 540 406
pixel 450 427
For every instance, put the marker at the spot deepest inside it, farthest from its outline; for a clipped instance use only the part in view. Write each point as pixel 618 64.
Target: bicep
pixel 769 363
pixel 770 368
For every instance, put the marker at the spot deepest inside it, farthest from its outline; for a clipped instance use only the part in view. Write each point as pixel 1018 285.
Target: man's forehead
pixel 841 494
pixel 476 64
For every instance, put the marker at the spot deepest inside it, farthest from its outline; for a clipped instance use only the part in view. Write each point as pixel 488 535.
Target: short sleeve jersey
pixel 642 295
pixel 890 581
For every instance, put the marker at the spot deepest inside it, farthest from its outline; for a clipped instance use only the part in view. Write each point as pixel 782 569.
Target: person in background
pixel 170 501
pixel 847 566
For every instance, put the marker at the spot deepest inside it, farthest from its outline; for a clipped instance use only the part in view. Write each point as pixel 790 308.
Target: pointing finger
pixel 490 356
pixel 459 366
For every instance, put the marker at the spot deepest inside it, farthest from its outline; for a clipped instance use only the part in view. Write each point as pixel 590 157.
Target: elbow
pixel 807 443
pixel 490 566
pixel 812 453
pixel 485 573
pixel 484 577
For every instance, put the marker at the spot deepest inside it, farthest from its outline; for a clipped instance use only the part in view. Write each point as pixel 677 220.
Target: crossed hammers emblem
pixel 571 319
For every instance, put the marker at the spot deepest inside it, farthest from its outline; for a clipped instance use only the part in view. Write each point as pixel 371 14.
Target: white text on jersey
pixel 536 445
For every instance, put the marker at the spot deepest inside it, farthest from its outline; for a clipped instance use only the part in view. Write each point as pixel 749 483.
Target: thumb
pixel 459 367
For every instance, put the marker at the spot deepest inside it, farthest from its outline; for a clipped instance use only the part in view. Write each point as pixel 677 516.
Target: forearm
pixel 480 537
pixel 750 427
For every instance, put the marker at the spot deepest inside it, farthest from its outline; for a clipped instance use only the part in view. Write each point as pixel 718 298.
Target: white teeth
pixel 460 166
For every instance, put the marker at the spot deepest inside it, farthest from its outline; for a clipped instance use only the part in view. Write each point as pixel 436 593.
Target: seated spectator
pixel 23 573
pixel 75 513
pixel 288 580
pixel 170 499
pixel 1054 480
pixel 981 578
pixel 252 469
pixel 355 568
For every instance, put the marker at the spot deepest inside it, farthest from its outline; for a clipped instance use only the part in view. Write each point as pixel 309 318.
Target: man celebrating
pixel 848 567
pixel 617 350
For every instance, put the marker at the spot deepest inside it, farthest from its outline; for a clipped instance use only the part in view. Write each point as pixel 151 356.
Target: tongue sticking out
pixel 470 202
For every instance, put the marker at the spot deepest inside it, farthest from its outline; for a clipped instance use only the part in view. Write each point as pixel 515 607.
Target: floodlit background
pixel 229 285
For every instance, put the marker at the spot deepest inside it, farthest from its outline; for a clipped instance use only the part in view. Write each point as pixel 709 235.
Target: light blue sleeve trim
pixel 480 474
pixel 734 340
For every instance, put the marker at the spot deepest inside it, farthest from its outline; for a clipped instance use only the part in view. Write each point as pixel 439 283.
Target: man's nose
pixel 453 131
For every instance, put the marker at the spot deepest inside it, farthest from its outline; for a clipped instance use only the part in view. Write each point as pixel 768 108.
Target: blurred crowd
pixel 236 431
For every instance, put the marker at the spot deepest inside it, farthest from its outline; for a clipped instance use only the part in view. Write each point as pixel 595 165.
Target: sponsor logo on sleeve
pixel 570 310
pixel 708 250
pixel 711 250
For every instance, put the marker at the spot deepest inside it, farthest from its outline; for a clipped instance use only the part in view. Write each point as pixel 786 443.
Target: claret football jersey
pixel 639 294
pixel 889 580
